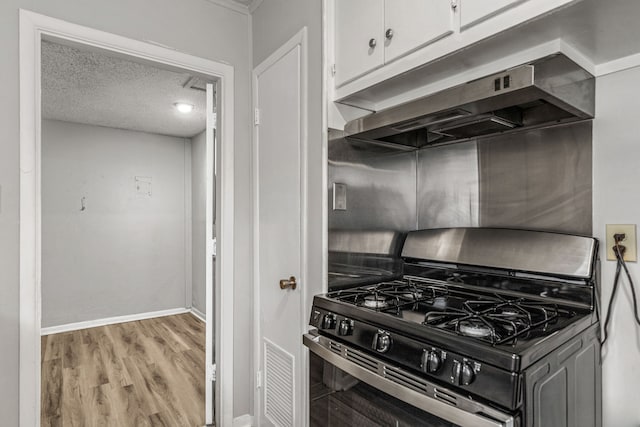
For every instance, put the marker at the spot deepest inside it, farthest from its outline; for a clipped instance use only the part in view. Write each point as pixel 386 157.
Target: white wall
pixel 198 209
pixel 197 27
pixel 616 175
pixel 126 252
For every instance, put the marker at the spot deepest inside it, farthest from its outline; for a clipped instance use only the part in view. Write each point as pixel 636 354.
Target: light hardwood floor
pixel 143 373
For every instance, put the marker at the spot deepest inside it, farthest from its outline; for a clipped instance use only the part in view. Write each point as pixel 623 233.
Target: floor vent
pixel 278 385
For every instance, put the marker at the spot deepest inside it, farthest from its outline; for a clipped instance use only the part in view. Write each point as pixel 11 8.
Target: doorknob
pixel 291 283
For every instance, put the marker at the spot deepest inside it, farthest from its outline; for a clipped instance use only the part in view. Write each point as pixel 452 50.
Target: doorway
pixel 36 28
pixel 123 238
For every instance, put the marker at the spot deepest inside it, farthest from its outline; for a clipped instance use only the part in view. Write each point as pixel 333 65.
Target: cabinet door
pixel 474 11
pixel 357 23
pixel 415 23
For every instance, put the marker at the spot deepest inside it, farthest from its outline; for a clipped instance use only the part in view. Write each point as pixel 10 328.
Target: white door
pixel 278 157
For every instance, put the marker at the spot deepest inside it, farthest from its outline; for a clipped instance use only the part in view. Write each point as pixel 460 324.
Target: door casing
pixel 33 27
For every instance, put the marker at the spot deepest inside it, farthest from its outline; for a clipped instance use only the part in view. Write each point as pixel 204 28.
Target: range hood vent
pixel 548 91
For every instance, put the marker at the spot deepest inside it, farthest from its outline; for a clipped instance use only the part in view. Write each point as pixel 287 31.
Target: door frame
pixel 33 27
pixel 299 39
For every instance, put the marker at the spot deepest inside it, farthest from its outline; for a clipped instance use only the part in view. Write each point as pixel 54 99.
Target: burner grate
pixel 496 322
pixel 390 296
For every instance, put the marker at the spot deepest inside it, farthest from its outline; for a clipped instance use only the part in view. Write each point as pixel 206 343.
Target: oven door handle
pixel 483 417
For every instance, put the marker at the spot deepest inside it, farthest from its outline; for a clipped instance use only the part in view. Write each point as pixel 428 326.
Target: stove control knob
pixel 346 327
pixel 381 342
pixel 431 361
pixel 329 321
pixel 463 373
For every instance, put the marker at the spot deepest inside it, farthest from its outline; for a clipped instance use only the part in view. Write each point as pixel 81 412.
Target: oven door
pixel 387 395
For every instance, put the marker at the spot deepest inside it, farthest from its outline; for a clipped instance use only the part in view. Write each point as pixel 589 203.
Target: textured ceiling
pixel 97 87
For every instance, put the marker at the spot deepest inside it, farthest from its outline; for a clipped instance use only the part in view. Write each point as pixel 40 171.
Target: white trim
pixel 197 313
pixel 327 83
pixel 210 157
pixel 573 53
pixel 245 420
pixel 617 65
pixel 300 39
pixel 231 5
pixel 32 27
pixel 111 321
pixel 188 225
pixel 304 220
pixel 237 6
pixel 257 345
pixel 30 306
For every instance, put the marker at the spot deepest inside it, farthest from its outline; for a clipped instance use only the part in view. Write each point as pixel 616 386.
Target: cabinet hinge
pixel 454 4
pixel 259 379
pixel 256 116
pixel 211 372
pixel 333 69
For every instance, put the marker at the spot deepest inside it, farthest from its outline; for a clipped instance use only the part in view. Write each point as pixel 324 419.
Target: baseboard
pixel 245 420
pixel 111 321
pixel 200 315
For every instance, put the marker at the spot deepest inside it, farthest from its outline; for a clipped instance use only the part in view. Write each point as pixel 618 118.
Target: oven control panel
pixel 426 359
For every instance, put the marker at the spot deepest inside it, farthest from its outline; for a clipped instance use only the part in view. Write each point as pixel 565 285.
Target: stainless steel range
pixel 485 327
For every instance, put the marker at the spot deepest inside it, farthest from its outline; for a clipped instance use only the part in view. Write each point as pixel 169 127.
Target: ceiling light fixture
pixel 183 107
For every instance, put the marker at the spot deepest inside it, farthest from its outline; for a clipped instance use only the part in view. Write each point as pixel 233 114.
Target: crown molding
pixel 232 5
pixel 237 6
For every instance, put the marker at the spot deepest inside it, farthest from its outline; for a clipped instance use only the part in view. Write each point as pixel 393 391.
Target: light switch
pixel 339 197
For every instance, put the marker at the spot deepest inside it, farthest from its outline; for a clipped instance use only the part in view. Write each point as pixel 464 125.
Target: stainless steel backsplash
pixel 448 188
pixel 538 179
pixel 381 186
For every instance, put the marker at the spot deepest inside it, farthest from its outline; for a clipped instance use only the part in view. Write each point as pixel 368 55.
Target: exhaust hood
pixel 551 90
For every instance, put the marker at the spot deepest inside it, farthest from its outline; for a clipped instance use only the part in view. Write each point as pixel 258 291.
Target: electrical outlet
pixel 629 230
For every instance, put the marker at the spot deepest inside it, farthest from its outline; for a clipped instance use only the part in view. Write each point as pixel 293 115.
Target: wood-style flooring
pixel 143 373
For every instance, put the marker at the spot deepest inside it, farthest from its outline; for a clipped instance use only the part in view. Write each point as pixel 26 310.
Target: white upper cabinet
pixel 475 11
pixel 411 24
pixel 359 37
pixel 385 51
pixel 370 33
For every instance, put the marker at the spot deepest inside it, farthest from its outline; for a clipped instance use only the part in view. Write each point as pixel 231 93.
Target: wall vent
pixel 278 385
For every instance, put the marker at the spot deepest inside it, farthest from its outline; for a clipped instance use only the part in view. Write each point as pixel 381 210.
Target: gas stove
pixel 489 317
pixel 474 318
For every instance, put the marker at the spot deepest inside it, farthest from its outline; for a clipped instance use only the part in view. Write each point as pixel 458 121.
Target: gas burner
pixel 509 312
pixel 375 301
pixel 440 302
pixel 474 328
pixel 415 295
